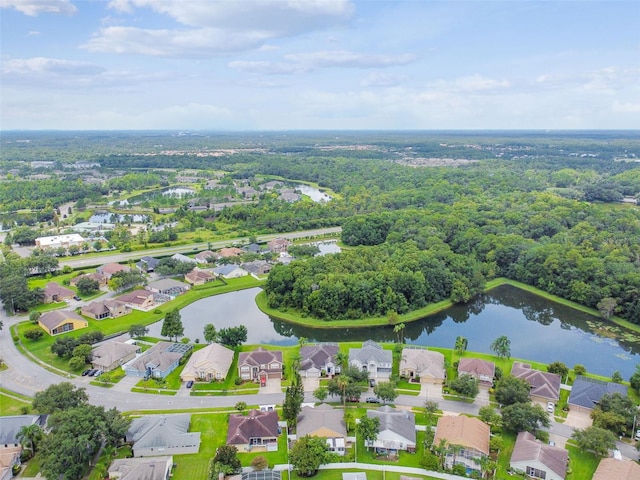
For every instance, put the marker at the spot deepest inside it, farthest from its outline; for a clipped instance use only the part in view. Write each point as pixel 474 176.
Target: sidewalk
pixel 380 468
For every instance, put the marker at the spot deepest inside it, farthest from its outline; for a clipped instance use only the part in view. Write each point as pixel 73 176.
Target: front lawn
pixel 12 403
pixel 582 464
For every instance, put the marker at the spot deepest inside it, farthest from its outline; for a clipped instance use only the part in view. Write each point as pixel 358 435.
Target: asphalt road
pixel 92 261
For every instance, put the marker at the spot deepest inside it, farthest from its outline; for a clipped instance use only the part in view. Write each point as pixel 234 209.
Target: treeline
pixel 579 251
pixel 46 194
pixel 374 281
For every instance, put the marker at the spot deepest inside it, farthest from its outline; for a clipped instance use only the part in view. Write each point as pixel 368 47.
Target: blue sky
pixel 319 64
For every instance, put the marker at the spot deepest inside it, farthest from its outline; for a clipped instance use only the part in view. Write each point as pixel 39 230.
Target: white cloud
pixel 346 59
pixel 33 33
pixel 42 65
pixel 218 27
pixel 379 79
pixel 626 107
pixel 268 68
pixel 36 7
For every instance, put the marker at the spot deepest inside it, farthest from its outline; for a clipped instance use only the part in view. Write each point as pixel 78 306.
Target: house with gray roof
pixel 183 258
pixel 537 459
pixel 157 362
pixel 587 392
pixel 112 354
pixel 257 267
pixel 153 435
pixel 326 422
pixel 11 425
pixel 154 468
pixel 545 386
pixel 147 264
pixel 318 360
pixel 209 363
pixel 257 429
pixel 168 286
pixel 422 363
pixel 397 430
pixel 230 271
pixel 372 358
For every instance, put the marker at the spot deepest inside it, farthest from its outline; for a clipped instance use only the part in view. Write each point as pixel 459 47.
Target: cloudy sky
pixel 319 64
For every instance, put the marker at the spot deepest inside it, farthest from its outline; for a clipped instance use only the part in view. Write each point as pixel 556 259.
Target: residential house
pixel 252 248
pixel 279 245
pixel 483 370
pixel 147 264
pixel 155 468
pixel 95 276
pixel 587 392
pixel 109 269
pixel 206 256
pixel 537 459
pixel 230 271
pixel 289 195
pixel 199 277
pixel 372 358
pixel 56 322
pixel 112 354
pixel 326 422
pixel 105 309
pixel 57 241
pixel 257 429
pixel 469 433
pixel 318 360
pixel 10 446
pixel 54 292
pixel 257 267
pixel 209 363
pixel 157 362
pixel 397 430
pixel 259 365
pixel 247 192
pixel 230 252
pixel 183 258
pixel 545 386
pixel 168 286
pixel 614 469
pixel 424 364
pixel 154 435
pixel 138 299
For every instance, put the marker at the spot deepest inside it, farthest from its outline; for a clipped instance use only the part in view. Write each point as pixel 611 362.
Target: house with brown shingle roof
pixel 168 286
pixel 95 276
pixel 257 429
pixel 56 322
pixel 54 292
pixel 318 359
pixel 205 256
pixel 467 432
pixel 422 363
pixel 538 459
pixel 112 354
pixel 109 269
pixel 105 309
pixel 483 370
pixel 230 252
pixel 260 365
pixel 279 245
pixel 613 469
pixel 326 422
pixel 199 277
pixel 138 299
pixel 545 386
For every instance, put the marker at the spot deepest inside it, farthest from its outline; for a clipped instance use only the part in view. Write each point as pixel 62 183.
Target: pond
pixel 539 330
pixel 313 193
pixel 106 217
pixel 169 192
pixel 327 248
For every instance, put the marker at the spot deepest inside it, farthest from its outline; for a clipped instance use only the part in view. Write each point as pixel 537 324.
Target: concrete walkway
pixel 379 468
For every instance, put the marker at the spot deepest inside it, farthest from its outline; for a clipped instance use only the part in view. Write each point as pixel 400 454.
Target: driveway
pixel 310 384
pixel 273 386
pixel 431 392
pixel 578 420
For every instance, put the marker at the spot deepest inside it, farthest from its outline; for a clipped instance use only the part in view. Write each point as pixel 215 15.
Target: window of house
pixel 534 472
pixel 274 365
pixel 244 369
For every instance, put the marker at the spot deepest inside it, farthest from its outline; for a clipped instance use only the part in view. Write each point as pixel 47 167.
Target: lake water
pixel 108 217
pixel 169 192
pixel 313 193
pixel 539 330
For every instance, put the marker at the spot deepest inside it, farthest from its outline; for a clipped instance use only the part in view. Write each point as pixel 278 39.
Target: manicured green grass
pixel 504 457
pixel 582 464
pixel 11 403
pixel 33 467
pixel 406 459
pixel 336 474
pixel 153 390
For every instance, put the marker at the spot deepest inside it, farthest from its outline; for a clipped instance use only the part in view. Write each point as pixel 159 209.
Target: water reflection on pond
pixel 539 330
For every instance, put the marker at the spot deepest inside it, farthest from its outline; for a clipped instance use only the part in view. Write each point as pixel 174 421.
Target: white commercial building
pixel 57 241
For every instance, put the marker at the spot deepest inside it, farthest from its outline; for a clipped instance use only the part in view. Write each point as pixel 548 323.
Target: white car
pixel 638 435
pixel 551 408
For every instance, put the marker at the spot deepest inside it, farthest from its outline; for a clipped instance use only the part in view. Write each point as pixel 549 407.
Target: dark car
pixel 86 372
pixel 77 298
pixel 373 400
pixel 372 382
pixel 91 372
pixel 353 399
pixel 190 384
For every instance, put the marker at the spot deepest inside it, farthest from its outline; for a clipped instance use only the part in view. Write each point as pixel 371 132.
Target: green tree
pixel 259 463
pixel 225 461
pixel 595 439
pixel 34 334
pixel 77 363
pixel 461 345
pixel 82 351
pixel 558 368
pixel 510 390
pixel 35 316
pixel 137 330
pixel 465 385
pixel 294 396
pixel 60 396
pixel 241 406
pixel 634 380
pixel 321 393
pixel 579 369
pixel 30 436
pixel 490 416
pixel 87 286
pixel 386 391
pixel 460 292
pixel 307 454
pixel 233 336
pixel 501 346
pixel 616 377
pixel 521 417
pixel 399 331
pixel 607 307
pixel 431 407
pixel 368 429
pixel 210 333
pixel 614 412
pixel 172 325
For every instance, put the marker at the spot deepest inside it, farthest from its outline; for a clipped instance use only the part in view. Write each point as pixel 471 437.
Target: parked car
pixel 190 384
pixel 353 399
pixel 86 372
pixel 551 407
pixel 638 435
pixel 372 382
pixel 373 400
pixel 77 298
pixel 91 372
pixel 97 373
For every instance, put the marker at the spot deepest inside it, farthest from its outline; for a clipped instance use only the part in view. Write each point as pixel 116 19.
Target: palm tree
pixel 441 451
pixel 31 434
pixel 399 331
pixel 455 450
pixel 461 345
pixel 342 360
pixel 343 382
pixel 502 347
pixel 295 362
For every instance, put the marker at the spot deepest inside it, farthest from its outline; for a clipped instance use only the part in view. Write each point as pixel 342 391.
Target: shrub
pixel 259 463
pixel 34 334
